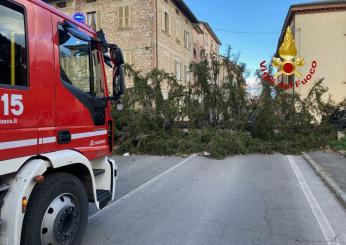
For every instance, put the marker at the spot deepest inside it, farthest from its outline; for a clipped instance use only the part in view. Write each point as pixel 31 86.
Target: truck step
pixel 98 172
pixel 104 197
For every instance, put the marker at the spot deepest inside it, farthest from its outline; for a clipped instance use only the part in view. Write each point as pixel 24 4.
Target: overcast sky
pixel 261 21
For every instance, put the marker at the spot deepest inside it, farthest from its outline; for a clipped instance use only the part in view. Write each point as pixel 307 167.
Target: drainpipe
pixel 157 36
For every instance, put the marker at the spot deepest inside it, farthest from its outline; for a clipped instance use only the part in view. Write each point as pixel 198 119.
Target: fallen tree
pixel 219 116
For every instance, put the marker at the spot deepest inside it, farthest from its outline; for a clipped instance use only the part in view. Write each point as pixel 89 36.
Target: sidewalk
pixel 331 167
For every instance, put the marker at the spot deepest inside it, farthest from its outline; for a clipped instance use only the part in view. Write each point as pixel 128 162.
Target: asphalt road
pixel 253 199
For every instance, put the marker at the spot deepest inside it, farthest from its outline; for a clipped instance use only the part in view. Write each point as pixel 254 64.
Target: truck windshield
pixel 77 62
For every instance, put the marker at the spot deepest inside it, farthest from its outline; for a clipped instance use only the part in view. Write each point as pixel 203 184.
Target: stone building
pixel 175 28
pixel 319 31
pixel 206 42
pixel 151 33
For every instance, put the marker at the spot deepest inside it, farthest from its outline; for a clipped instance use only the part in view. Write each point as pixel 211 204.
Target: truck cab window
pixel 75 67
pixel 13 53
pixel 97 71
pixel 74 61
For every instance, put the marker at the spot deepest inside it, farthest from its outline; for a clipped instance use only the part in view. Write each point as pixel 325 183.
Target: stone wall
pixel 145 25
pixel 137 40
pixel 173 51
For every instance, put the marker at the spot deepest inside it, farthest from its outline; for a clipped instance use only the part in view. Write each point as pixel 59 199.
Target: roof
pixel 185 10
pixel 210 30
pixel 198 28
pixel 311 7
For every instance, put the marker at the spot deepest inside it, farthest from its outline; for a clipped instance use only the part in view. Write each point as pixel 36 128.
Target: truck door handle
pixel 64 137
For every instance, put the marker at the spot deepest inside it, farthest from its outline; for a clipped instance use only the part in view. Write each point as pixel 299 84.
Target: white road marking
pixel 321 218
pixel 128 195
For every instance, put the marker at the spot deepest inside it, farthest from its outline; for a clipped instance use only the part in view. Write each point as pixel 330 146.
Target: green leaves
pixel 213 112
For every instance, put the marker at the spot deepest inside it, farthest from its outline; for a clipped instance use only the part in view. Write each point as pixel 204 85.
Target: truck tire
pixel 57 212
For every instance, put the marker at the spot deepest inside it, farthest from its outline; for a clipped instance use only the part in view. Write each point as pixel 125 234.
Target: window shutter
pixel 163 19
pixel 175 69
pixel 166 22
pixel 189 42
pixel 177 29
pixel 98 20
pixel 121 17
pixel 126 16
pixel 181 71
pixel 185 37
pixel 185 73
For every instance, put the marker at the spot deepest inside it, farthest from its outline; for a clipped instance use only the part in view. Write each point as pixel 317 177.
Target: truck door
pixel 80 92
pixel 18 88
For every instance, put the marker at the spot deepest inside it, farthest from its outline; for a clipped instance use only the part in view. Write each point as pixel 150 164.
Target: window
pixel 187 39
pixel 186 73
pixel 97 72
pixel 92 20
pixel 124 17
pixel 177 30
pixel 202 53
pixel 13 51
pixel 166 22
pixel 61 5
pixel 79 66
pixel 177 70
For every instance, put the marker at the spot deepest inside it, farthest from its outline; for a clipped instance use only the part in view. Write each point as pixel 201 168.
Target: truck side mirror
pixel 118 82
pixel 117 56
pixel 114 59
pixel 117 59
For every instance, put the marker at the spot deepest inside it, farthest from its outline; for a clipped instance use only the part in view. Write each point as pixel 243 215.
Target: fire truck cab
pixel 56 129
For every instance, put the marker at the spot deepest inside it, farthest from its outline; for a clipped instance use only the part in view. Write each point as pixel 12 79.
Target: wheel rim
pixel 60 221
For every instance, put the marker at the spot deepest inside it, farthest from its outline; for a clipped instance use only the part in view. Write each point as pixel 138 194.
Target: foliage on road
pixel 217 114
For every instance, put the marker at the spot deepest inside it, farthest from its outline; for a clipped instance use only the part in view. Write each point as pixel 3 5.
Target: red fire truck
pixel 56 129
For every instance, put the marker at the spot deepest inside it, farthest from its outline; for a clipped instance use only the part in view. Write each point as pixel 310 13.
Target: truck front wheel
pixel 57 212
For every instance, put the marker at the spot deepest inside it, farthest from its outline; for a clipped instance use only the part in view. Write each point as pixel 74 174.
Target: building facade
pixel 206 42
pixel 152 33
pixel 175 28
pixel 319 30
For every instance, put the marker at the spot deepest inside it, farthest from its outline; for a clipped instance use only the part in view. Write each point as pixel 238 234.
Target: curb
pixel 341 153
pixel 324 175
